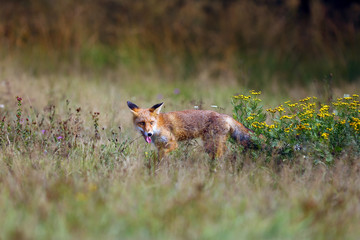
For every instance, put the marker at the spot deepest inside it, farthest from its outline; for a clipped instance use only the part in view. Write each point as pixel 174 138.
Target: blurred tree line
pixel 221 29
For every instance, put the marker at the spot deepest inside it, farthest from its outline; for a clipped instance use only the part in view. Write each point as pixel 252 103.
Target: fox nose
pixel 149 134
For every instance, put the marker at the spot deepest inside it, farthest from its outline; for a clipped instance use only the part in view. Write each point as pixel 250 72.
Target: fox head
pixel 145 120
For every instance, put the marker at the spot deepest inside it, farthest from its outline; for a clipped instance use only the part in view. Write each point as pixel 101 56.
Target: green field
pixel 69 174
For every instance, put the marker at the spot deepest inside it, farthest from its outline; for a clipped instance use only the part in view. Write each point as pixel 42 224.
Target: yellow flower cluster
pixel 292 105
pixel 253 92
pixel 355 124
pixel 278 109
pixel 307 114
pixel 350 102
pixel 305 126
pixel 305 99
pixel 287 117
pixel 325 135
pixel 249 118
pixel 308 106
pixel 242 97
pixel 263 125
pixel 324 112
pixel 260 125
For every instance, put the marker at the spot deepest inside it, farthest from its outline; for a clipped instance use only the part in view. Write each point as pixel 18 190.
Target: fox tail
pixel 240 133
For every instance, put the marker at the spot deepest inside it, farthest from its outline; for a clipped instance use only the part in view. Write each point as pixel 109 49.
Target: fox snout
pixel 147 136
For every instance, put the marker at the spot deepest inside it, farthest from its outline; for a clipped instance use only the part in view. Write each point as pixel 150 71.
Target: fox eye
pixel 142 123
pixel 152 123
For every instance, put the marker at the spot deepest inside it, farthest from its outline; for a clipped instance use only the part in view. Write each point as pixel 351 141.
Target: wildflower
pixel 287 130
pixel 325 135
pixel 271 110
pixel 258 125
pixel 355 124
pixel 253 92
pixel 292 105
pixel 355 96
pixel 324 108
pixel 2 106
pixel 176 91
pixel 43 131
pixel 249 118
pixel 59 137
pixel 280 109
pixel 305 99
pixel 287 117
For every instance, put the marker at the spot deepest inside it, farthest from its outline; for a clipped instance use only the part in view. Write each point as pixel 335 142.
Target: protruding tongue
pixel 148 139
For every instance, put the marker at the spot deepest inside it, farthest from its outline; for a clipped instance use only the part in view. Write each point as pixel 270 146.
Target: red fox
pixel 164 130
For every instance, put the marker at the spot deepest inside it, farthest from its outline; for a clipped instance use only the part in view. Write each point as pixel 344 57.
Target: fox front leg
pixel 165 149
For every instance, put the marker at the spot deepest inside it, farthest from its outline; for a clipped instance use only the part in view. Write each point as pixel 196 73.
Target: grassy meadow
pixel 68 172
pixel 72 165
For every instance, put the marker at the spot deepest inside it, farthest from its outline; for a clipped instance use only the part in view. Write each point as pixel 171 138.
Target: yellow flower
pixel 293 105
pixel 305 99
pixel 271 110
pixel 325 135
pixel 287 117
pixel 280 108
pixel 249 118
pixel 253 92
pixel 324 108
pixel 287 130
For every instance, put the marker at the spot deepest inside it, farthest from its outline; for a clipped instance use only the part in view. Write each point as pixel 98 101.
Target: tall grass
pixel 67 172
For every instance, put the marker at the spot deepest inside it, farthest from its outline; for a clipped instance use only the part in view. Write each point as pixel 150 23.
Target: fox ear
pixel 156 108
pixel 133 108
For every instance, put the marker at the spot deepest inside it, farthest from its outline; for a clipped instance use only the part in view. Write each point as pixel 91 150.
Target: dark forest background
pixel 294 40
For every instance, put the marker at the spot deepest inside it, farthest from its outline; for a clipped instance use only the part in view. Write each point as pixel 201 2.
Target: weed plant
pixel 315 130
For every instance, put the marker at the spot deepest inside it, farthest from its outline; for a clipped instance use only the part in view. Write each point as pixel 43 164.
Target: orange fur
pixel 167 129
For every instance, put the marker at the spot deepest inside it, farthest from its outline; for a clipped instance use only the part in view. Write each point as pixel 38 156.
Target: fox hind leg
pixel 215 146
